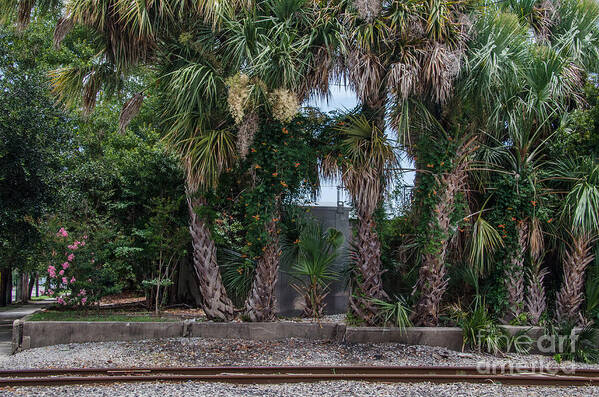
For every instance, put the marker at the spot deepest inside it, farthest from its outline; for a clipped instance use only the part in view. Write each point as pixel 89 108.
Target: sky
pixel 342 98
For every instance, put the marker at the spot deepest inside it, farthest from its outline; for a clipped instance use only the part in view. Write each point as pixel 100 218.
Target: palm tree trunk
pixel 535 301
pixel 369 283
pixel 431 277
pixel 570 295
pixel 432 281
pixel 514 275
pixel 215 301
pixel 260 304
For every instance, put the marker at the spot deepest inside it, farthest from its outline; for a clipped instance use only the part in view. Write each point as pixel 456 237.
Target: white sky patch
pixel 343 98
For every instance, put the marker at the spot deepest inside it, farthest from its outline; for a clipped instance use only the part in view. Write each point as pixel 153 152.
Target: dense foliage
pixel 495 103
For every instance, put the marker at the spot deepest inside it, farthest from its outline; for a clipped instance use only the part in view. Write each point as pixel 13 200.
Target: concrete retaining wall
pixel 268 331
pixel 30 334
pixel 45 333
pixel 448 337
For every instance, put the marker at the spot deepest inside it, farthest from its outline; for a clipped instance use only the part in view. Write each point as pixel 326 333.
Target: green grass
pixel 40 298
pixel 82 316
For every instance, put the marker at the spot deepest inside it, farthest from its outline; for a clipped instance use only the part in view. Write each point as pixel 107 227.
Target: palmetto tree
pixel 580 215
pixel 400 51
pixel 284 49
pixel 526 85
pixel 409 49
pixel 363 157
pixel 178 40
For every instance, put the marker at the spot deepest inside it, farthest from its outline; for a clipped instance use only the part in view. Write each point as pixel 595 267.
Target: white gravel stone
pixel 211 352
pixel 341 388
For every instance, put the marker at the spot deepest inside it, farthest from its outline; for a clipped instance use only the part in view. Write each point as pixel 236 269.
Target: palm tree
pixel 363 157
pixel 403 52
pixel 284 48
pixel 178 40
pixel 580 214
pixel 432 281
pixel 525 86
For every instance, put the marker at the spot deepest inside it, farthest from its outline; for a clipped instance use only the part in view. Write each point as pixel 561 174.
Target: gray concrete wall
pixel 268 331
pixel 289 302
pixel 30 334
pixel 46 333
pixel 450 338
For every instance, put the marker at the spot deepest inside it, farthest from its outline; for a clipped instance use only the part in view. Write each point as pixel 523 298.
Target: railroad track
pixel 292 374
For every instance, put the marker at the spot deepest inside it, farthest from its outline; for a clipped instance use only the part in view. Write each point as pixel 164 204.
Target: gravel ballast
pixel 303 389
pixel 212 352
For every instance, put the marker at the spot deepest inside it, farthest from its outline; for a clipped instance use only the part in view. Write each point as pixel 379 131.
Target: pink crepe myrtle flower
pixel 73 280
pixel 82 292
pixel 62 233
pixel 61 272
pixel 60 301
pixel 83 300
pixel 50 292
pixel 64 280
pixel 72 247
pixel 65 265
pixel 82 244
pixel 85 237
pixel 71 257
pixel 52 271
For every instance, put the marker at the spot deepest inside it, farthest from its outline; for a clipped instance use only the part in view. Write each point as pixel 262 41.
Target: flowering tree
pixel 65 280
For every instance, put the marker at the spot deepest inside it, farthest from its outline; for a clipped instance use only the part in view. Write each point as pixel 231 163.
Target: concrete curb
pixel 46 333
pixel 268 331
pixel 448 337
pixel 31 334
pixel 19 341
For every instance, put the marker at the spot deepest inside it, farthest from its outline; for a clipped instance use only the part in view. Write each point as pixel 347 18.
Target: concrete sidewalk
pixel 7 316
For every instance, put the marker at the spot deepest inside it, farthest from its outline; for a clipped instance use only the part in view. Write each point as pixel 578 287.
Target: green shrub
pixel 395 313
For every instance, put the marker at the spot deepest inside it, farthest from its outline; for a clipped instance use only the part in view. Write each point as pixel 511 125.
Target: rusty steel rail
pixel 290 374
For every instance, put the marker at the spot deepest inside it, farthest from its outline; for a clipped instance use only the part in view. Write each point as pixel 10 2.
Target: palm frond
pixel 485 241
pixel 581 205
pixel 63 27
pixel 367 157
pixel 130 109
pixel 205 154
pixel 576 34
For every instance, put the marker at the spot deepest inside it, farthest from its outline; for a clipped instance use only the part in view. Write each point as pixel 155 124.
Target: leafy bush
pixel 73 279
pixel 482 333
pixel 166 241
pixel 237 271
pixel 395 313
pixel 575 344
